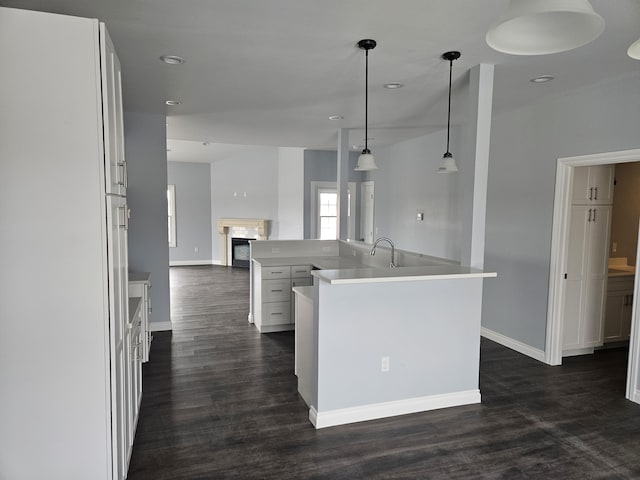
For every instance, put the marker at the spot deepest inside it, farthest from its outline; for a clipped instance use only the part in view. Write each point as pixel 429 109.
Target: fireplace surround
pixel 248 228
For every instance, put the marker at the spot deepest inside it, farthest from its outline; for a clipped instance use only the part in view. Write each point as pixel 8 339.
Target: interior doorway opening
pixel 559 289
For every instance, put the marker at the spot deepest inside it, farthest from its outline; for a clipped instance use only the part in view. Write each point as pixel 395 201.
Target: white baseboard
pixel 516 345
pixel 192 263
pixel 160 326
pixel 391 409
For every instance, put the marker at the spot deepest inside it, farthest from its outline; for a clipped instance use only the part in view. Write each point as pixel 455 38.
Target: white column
pixel 342 182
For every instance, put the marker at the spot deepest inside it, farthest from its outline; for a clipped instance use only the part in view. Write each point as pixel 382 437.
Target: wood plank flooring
pixel 220 402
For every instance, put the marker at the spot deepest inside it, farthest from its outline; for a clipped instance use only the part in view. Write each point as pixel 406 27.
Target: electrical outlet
pixel 614 247
pixel 385 364
pixel 419 216
pixel 196 249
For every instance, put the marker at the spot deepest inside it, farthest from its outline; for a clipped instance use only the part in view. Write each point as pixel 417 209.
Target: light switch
pixel 420 216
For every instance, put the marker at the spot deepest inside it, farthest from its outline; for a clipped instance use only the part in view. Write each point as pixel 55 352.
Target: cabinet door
pixel 575 291
pixel 115 167
pixel 613 318
pixel 601 180
pixel 580 192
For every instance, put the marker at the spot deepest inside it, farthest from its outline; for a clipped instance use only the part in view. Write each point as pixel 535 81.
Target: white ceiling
pixel 271 72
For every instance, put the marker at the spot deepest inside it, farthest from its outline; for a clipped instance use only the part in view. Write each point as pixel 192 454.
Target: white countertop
pixel 621 271
pixel 344 270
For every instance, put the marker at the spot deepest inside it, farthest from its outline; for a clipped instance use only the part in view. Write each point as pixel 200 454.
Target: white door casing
pixel 559 259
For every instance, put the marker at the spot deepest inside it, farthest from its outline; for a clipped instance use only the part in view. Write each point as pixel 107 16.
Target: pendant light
pixel 634 50
pixel 448 164
pixel 541 27
pixel 366 160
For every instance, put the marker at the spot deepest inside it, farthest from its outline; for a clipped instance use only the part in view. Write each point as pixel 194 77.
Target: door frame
pixel 559 249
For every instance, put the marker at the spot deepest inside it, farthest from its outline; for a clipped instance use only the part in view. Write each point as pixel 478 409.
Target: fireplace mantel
pixel 260 224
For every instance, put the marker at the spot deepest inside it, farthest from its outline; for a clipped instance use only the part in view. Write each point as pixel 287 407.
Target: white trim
pixel 559 247
pixel 513 344
pixel 373 411
pixel 188 263
pixel 160 326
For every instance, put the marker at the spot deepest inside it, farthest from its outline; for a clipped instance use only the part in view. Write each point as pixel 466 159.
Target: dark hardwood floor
pixel 220 401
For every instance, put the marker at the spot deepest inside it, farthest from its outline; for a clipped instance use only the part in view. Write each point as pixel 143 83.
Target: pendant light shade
pixel 541 27
pixel 448 164
pixel 366 160
pixel 634 50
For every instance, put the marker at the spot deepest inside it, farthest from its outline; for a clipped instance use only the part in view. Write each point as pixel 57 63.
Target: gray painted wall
pixel 406 183
pixel 145 150
pixel 525 144
pixel 254 172
pixel 322 166
pixel 193 211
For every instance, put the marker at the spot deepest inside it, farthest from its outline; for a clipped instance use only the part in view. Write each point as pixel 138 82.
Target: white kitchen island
pixel 374 341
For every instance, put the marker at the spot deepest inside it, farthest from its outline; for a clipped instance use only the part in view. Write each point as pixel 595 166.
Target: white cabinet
pixel 593 185
pixel 586 277
pixel 140 286
pixel 65 221
pixel 134 368
pixel 273 297
pixel 619 306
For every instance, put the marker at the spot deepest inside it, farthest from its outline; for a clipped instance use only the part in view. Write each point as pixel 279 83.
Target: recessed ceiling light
pixel 172 59
pixel 393 85
pixel 172 102
pixel 336 117
pixel 542 79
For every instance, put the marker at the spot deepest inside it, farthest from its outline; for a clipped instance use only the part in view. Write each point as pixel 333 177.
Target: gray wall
pixel 145 150
pixel 193 211
pixel 626 212
pixel 254 172
pixel 406 183
pixel 322 166
pixel 525 144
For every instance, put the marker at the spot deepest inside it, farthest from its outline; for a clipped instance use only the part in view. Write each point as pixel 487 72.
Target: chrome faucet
pixel 393 250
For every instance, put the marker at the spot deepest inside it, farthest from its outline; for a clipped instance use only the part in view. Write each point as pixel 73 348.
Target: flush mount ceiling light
pixel 634 50
pixel 172 59
pixel 366 160
pixel 448 164
pixel 541 27
pixel 172 102
pixel 336 117
pixel 393 85
pixel 542 79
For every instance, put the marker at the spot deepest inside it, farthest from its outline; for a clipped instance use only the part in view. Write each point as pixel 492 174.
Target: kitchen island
pixel 374 341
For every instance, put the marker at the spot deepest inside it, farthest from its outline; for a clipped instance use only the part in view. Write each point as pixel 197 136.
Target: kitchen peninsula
pixel 371 341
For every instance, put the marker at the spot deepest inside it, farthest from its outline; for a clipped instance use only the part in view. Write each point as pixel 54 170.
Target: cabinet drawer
pixel 276 272
pixel 276 290
pixel 620 284
pixel 300 271
pixel 302 282
pixel 276 313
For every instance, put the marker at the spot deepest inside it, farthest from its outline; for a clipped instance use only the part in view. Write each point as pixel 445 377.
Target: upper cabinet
pixel 111 82
pixel 593 185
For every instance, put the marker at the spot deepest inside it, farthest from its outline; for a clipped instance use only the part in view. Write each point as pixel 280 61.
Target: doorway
pixel 560 257
pixel 324 210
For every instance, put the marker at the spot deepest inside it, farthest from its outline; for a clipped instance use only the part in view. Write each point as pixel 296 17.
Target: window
pixel 171 203
pixel 328 201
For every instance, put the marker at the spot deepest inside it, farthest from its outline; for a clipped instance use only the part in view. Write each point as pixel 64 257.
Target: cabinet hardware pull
pixel 125 220
pixel 591 193
pixel 589 216
pixel 276 290
pixel 594 214
pixel 273 273
pixel 595 197
pixel 276 313
pixel 120 181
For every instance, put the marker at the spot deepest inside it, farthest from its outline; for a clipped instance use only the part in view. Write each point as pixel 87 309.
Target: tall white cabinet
pixel 66 370
pixel 587 260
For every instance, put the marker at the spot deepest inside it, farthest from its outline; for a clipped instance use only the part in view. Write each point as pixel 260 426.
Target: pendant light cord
pixel 366 100
pixel 449 112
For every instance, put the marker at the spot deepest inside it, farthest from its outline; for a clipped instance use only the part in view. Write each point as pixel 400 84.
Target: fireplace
pixel 243 228
pixel 240 254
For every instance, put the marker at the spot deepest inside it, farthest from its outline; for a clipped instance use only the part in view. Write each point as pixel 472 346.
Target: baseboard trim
pixel 374 411
pixel 513 344
pixel 160 326
pixel 192 263
pixel 636 396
